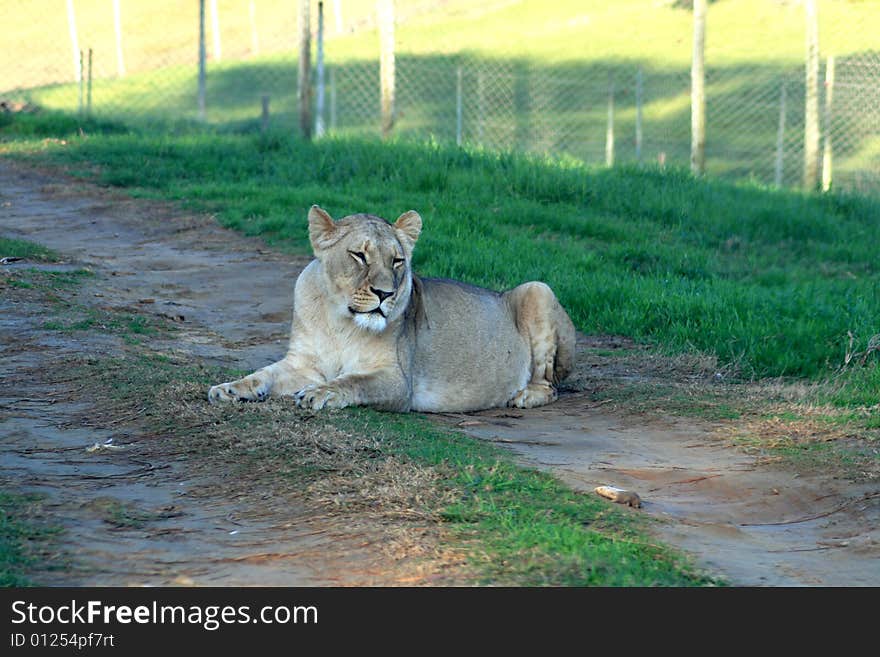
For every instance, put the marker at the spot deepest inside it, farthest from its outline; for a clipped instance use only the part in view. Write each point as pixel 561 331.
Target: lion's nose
pixel 382 294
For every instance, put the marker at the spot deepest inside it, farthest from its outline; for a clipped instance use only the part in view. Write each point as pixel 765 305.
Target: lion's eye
pixel 397 262
pixel 360 257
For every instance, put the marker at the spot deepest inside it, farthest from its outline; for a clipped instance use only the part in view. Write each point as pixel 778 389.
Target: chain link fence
pixel 854 123
pixel 138 67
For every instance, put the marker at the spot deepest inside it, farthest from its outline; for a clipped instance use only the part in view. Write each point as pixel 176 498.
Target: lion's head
pixel 366 261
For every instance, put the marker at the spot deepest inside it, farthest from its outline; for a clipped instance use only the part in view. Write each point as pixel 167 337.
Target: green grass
pixel 20 538
pixel 12 248
pixel 519 527
pixel 132 328
pixel 773 283
pixel 71 316
pixel 532 529
pixel 159 33
pixel 124 515
pixel 547 75
pixel 46 280
pixel 857 461
pixel 532 105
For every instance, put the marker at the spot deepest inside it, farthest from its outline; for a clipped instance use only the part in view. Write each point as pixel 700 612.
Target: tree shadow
pixel 755 113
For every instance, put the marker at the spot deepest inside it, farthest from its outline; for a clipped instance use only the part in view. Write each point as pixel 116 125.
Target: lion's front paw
pixel 317 397
pixel 242 390
pixel 534 394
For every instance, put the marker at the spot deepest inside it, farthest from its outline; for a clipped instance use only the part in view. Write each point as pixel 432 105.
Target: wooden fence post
pixel 639 92
pixel 255 37
pixel 304 95
pixel 698 91
pixel 264 115
pixel 609 128
pixel 81 83
pixel 215 31
pixel 202 73
pixel 319 102
pixel 74 42
pixel 89 87
pixel 458 105
pixel 331 74
pixel 385 10
pixel 811 111
pixel 481 106
pixel 780 138
pixel 829 95
pixel 117 27
pixel 337 15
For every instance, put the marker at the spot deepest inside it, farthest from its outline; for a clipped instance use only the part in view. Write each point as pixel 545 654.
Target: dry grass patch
pixel 273 455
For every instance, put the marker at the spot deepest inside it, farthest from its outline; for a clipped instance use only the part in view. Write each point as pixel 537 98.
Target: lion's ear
pixel 408 227
pixel 322 229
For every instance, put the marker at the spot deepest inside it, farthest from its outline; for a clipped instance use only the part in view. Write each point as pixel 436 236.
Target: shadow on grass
pixel 516 104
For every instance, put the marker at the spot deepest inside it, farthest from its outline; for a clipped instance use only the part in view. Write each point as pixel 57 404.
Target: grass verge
pixel 516 526
pixel 12 248
pixel 771 283
pixel 799 424
pixel 532 529
pixel 71 315
pixel 755 284
pixel 22 538
pixel 437 495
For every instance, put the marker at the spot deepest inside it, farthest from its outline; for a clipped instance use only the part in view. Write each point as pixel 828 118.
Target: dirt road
pixel 751 523
pixel 133 514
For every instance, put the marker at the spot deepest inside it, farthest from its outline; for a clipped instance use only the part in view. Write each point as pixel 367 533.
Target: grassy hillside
pixel 157 34
pixel 740 31
pixel 532 79
pixel 773 283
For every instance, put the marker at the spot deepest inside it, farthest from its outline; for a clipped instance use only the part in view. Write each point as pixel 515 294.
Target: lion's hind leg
pixel 550 334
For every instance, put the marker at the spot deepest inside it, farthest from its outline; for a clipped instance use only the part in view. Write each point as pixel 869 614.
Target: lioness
pixel 367 331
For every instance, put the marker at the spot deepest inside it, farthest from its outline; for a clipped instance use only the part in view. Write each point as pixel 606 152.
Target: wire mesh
pixel 135 63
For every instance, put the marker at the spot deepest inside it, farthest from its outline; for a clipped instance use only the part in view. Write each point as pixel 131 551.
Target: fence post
pixel 698 91
pixel 337 15
pixel 201 60
pixel 81 83
pixel 319 104
pixel 639 91
pixel 74 42
pixel 332 75
pixel 89 88
pixel 215 31
pixel 609 129
pixel 481 105
pixel 829 94
pixel 458 105
pixel 304 95
pixel 811 111
pixel 780 138
pixel 255 37
pixel 385 11
pixel 264 122
pixel 117 26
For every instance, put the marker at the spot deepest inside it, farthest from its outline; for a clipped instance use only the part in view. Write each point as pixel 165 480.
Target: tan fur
pixel 619 495
pixel 436 346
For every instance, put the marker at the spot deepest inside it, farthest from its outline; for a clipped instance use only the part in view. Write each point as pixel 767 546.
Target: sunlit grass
pixel 773 283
